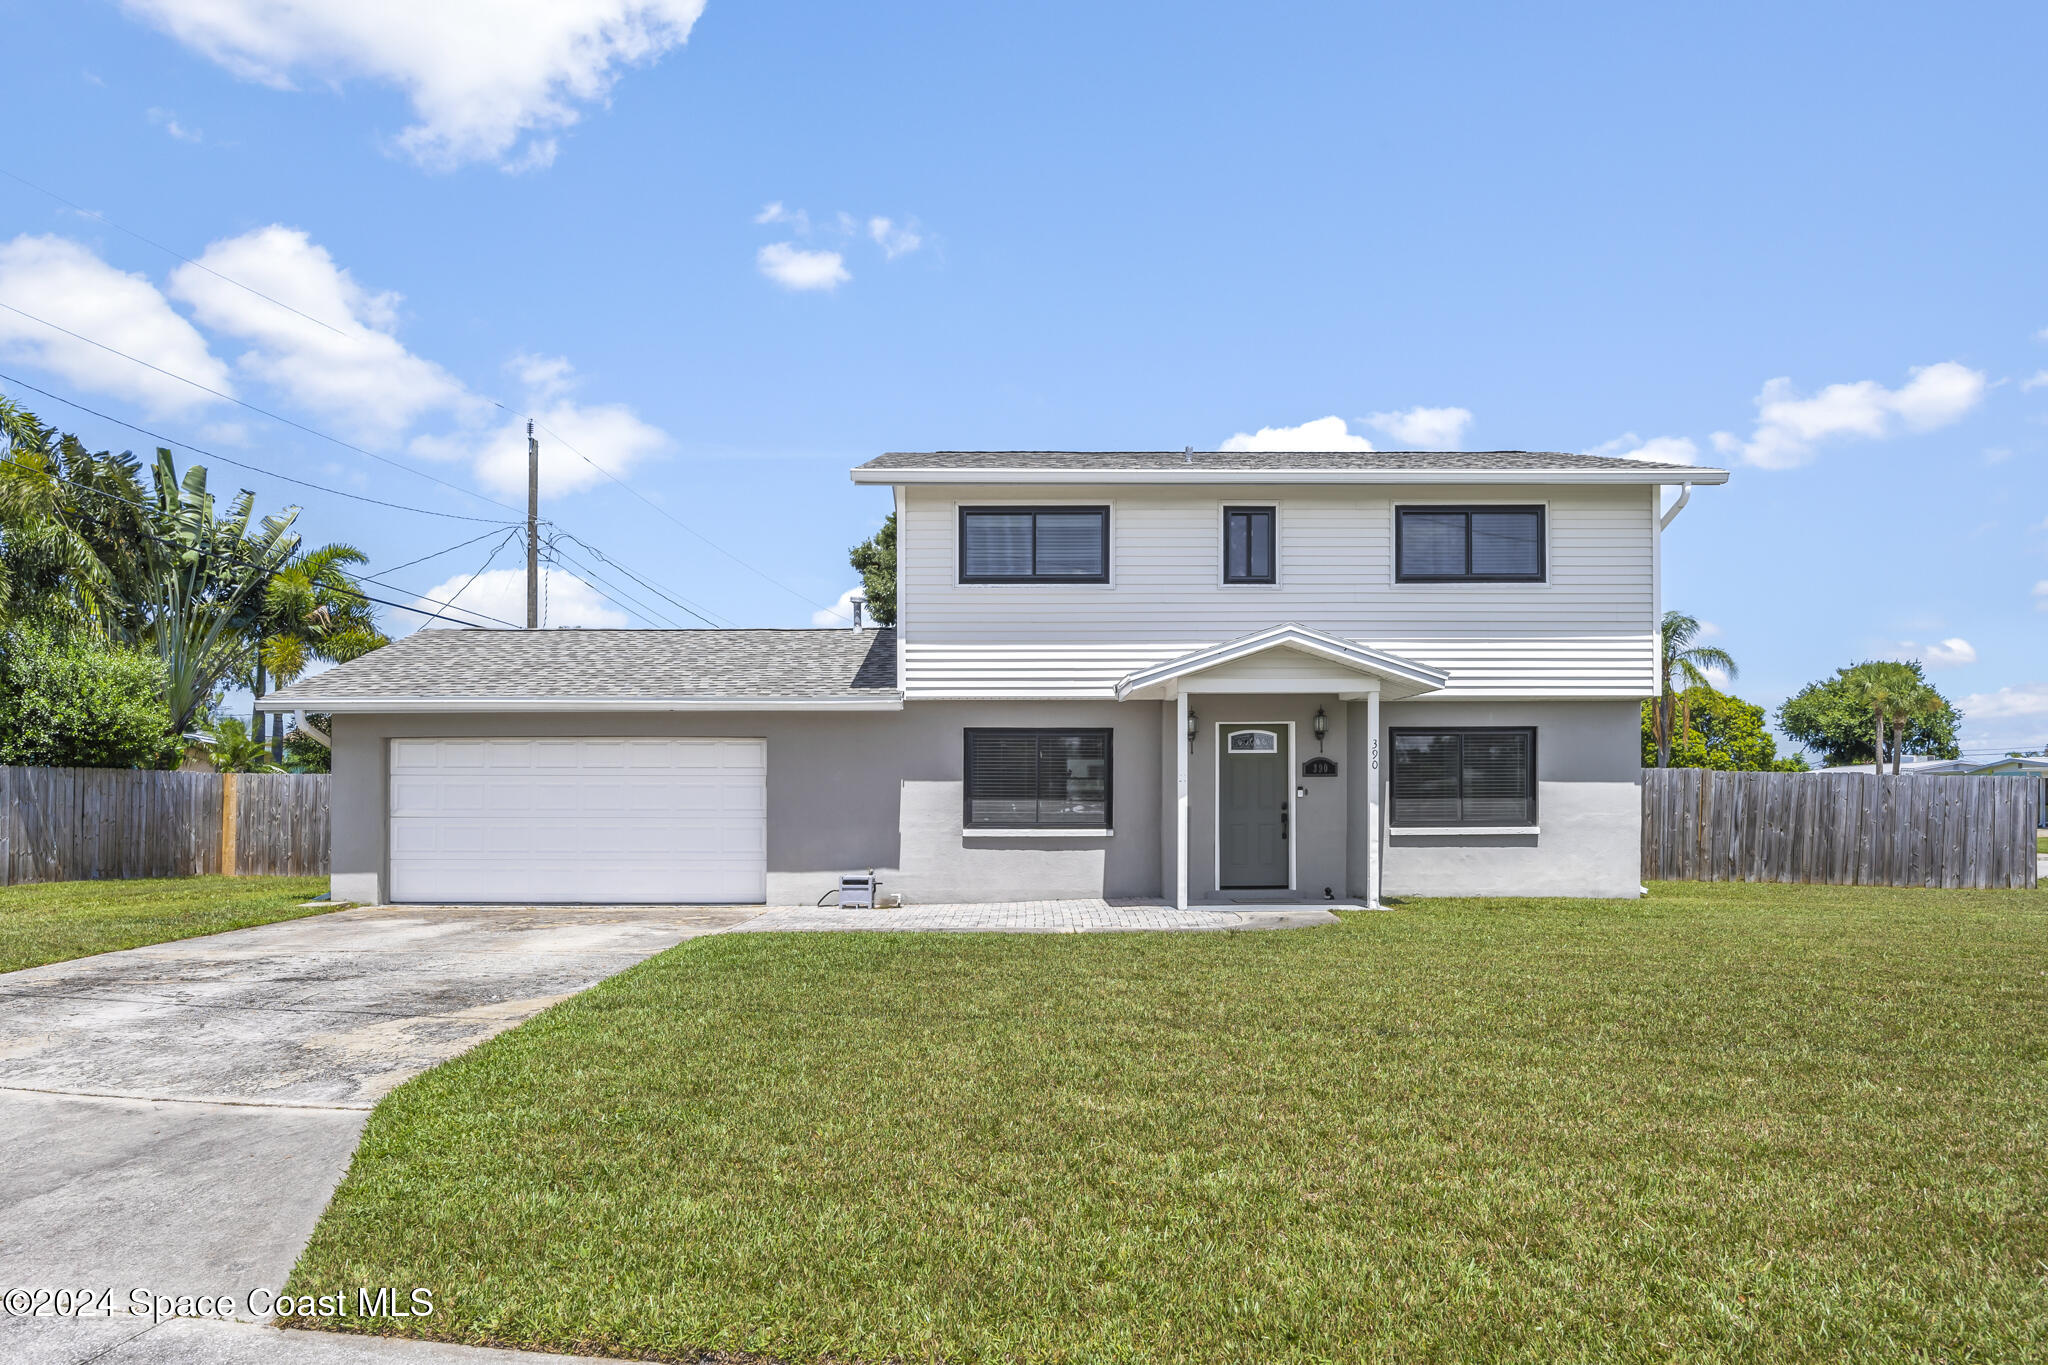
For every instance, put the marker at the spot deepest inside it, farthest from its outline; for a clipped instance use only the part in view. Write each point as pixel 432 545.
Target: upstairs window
pixel 1037 779
pixel 1464 777
pixel 1248 545
pixel 1034 545
pixel 1468 544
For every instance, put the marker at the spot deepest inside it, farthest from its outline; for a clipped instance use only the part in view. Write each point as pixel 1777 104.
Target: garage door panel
pixel 578 820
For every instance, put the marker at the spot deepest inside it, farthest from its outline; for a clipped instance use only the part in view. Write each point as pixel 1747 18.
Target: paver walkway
pixel 1034 917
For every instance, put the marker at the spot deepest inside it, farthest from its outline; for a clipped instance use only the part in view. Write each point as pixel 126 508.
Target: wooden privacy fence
pixel 1842 829
pixel 86 824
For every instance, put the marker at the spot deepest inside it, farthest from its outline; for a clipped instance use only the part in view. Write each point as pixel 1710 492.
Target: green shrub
pixel 75 702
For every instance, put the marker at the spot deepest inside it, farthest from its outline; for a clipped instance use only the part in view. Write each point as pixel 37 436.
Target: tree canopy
pixel 97 566
pixel 875 558
pixel 1720 732
pixel 1834 716
pixel 1681 659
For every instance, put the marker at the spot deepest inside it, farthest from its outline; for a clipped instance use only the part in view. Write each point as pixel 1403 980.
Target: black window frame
pixel 1035 511
pixel 1106 733
pixel 1272 515
pixel 1542 514
pixel 1395 819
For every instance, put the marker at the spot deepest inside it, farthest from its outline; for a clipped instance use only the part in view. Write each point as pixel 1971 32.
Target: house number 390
pixel 1375 755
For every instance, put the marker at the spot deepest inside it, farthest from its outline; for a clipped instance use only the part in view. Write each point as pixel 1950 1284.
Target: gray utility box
pixel 857 893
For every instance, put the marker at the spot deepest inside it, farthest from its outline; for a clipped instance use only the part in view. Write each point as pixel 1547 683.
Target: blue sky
pixel 1815 230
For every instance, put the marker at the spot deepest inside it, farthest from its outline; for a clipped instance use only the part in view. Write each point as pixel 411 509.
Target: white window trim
pixel 984 832
pixel 953 544
pixel 1223 536
pixel 1394 506
pixel 1216 800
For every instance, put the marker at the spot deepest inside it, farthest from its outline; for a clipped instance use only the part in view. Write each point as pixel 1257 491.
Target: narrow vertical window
pixel 1249 551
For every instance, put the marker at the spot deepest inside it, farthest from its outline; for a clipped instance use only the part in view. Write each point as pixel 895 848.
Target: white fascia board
pixel 1314 643
pixel 1675 474
pixel 523 705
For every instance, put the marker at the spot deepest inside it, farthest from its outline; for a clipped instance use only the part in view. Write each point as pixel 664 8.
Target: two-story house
pixel 1198 676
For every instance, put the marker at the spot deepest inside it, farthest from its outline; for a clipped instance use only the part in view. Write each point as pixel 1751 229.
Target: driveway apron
pixel 174 1118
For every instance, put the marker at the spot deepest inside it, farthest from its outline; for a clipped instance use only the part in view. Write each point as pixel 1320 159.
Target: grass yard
pixel 56 921
pixel 1725 1123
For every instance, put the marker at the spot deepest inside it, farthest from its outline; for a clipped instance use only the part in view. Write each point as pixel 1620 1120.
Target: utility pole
pixel 532 529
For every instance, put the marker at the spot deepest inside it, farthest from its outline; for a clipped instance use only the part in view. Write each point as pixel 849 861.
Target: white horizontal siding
pixel 1585 632
pixel 1597 666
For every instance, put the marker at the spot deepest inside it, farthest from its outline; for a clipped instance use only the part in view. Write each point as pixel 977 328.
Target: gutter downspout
pixel 1684 497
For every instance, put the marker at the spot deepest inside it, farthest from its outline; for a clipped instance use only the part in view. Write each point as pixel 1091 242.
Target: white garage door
pixel 586 821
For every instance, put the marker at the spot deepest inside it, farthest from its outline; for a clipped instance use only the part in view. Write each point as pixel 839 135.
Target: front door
pixel 1252 810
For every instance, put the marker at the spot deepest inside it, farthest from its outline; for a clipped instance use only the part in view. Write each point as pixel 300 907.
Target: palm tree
pixel 231 748
pixel 1689 662
pixel 72 524
pixel 312 609
pixel 1888 691
pixel 1917 702
pixel 206 575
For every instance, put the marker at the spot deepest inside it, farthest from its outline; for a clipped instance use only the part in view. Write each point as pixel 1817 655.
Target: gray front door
pixel 1252 809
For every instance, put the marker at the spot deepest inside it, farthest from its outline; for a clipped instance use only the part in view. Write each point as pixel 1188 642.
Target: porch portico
pixel 1258 733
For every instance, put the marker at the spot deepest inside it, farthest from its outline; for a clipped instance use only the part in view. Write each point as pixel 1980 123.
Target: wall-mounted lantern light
pixel 1194 724
pixel 1322 725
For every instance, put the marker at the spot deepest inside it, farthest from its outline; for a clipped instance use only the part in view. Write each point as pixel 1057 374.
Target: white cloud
pixel 481 74
pixel 64 283
pixel 840 613
pixel 774 212
pixel 610 435
pixel 1789 427
pixel 1324 433
pixel 1709 631
pixel 1718 676
pixel 501 593
pixel 1424 428
pixel 2024 702
pixel 794 268
pixel 895 240
pixel 168 121
pixel 1658 449
pixel 2038 379
pixel 352 368
pixel 1953 652
pixel 2041 592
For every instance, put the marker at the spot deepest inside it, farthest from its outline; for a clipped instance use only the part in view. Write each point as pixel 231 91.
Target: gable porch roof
pixel 1392 676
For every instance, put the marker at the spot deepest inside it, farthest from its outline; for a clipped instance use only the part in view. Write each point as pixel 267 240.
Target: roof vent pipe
pixel 1187 454
pixel 856 602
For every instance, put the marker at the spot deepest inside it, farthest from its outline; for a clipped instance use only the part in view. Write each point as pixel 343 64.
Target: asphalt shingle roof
pixel 1164 461
pixel 624 664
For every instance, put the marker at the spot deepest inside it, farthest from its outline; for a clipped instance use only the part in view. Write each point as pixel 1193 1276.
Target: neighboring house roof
pixel 1234 466
pixel 586 670
pixel 1397 676
pixel 1950 767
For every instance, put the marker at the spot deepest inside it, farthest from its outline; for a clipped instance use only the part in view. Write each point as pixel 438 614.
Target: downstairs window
pixel 1464 777
pixel 1037 779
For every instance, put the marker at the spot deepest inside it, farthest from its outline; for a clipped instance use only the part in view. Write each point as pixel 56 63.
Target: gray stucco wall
pixel 846 792
pixel 1588 799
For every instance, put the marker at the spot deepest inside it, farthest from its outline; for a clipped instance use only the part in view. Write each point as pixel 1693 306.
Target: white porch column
pixel 1180 769
pixel 1374 846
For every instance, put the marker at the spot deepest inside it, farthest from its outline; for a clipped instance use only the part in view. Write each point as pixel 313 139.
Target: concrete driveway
pixel 175 1117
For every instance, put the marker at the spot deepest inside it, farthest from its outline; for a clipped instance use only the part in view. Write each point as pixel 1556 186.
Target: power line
pixel 144 507
pixel 438 553
pixel 616 594
pixel 704 614
pixel 803 597
pixel 263 412
pixel 97 216
pixel 244 464
pixel 566 444
pixel 496 550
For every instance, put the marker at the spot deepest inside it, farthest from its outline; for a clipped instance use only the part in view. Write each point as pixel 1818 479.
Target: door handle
pixel 1283 820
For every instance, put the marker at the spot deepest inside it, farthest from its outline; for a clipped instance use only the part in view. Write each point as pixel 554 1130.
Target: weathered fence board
pixel 1842 829
pixel 82 824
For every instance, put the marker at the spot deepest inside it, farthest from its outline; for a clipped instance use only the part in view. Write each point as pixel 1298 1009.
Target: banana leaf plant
pixel 204 590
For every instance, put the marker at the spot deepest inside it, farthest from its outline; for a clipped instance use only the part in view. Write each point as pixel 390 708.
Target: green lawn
pixel 1726 1123
pixel 55 921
